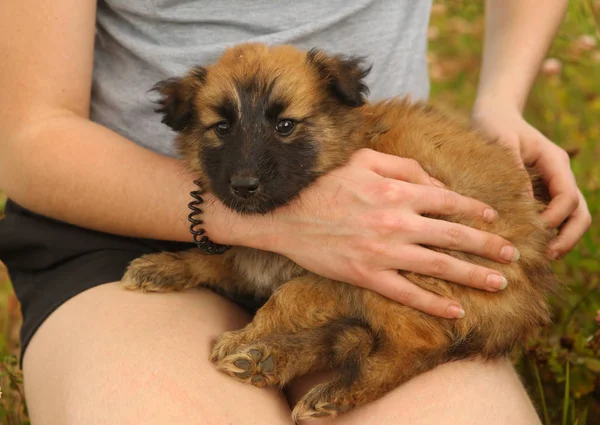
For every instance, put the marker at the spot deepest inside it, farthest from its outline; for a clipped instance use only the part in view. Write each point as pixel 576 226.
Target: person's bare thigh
pixel 463 392
pixel 110 356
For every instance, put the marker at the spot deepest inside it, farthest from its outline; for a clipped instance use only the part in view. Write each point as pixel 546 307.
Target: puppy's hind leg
pixel 175 271
pixel 304 303
pixel 276 359
pixel 365 377
pixel 293 333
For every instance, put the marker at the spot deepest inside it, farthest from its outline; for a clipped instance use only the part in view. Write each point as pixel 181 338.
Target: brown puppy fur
pixel 311 323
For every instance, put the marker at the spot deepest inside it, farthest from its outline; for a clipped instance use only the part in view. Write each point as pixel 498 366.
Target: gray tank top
pixel 139 42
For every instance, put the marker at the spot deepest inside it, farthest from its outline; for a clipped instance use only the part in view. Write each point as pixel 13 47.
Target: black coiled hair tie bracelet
pixel 202 241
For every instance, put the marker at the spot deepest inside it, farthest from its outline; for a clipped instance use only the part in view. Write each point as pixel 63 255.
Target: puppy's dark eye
pixel 285 127
pixel 222 129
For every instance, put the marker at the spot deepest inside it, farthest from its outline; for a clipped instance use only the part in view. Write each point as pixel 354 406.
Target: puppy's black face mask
pixel 259 136
pixel 263 158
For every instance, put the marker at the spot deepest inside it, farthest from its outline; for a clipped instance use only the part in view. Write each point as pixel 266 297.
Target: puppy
pixel 261 125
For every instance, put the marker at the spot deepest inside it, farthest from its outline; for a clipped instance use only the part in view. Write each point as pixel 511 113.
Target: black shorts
pixel 50 262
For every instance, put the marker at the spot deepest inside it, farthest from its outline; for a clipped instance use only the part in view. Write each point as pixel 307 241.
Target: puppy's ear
pixel 176 103
pixel 343 75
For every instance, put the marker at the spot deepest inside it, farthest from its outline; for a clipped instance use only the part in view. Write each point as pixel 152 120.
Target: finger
pixel 436 264
pixel 392 285
pixel 559 209
pixel 431 200
pixel 395 167
pixel 444 234
pixel 562 188
pixel 579 222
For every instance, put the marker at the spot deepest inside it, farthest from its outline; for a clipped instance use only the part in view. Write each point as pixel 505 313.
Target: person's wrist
pixel 227 227
pixel 487 100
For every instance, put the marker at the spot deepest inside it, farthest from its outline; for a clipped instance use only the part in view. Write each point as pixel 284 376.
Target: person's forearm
pixel 517 37
pixel 74 170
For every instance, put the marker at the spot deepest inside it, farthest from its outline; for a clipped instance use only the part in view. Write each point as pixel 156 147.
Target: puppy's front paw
pixel 254 364
pixel 163 272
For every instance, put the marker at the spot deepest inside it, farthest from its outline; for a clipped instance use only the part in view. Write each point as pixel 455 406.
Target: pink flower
pixel 551 66
pixel 586 42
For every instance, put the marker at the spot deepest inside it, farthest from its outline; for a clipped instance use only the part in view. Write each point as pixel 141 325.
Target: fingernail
pixel 553 255
pixel 510 253
pixel 455 312
pixel 438 183
pixel 496 282
pixel 490 215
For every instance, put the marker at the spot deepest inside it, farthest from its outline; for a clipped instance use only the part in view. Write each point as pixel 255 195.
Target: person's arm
pixel 53 159
pixel 518 34
pixel 517 37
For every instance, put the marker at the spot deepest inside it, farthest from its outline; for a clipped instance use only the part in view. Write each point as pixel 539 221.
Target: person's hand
pixel 567 210
pixel 362 223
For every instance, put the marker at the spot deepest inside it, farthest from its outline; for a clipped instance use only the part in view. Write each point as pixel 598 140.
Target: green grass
pixel 12 408
pixel 561 369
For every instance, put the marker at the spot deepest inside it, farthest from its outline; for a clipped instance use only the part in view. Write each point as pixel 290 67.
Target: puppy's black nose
pixel 244 186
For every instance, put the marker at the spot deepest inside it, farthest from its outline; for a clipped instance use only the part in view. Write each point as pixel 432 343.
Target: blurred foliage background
pixel 561 368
